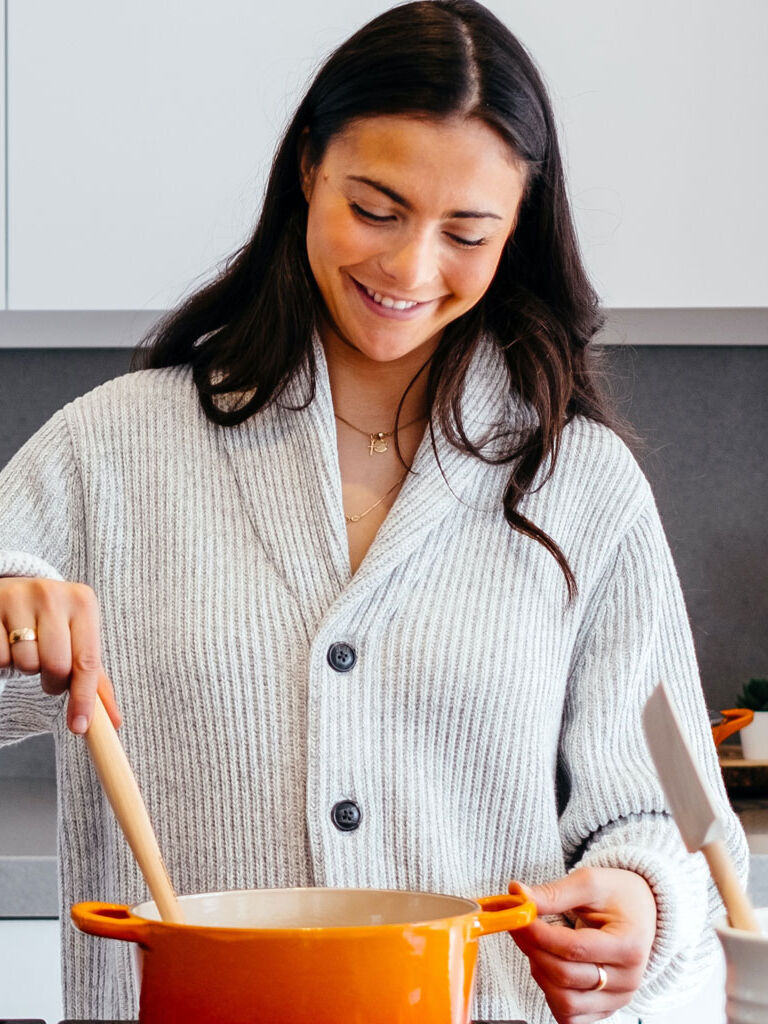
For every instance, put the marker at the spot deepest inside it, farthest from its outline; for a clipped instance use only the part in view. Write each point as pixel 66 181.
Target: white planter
pixel 754 739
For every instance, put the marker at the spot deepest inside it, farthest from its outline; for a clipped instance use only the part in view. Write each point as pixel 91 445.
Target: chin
pixel 390 349
pixel 388 353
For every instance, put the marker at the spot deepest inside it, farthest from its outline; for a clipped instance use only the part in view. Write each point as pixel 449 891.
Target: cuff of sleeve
pixel 20 563
pixel 678 880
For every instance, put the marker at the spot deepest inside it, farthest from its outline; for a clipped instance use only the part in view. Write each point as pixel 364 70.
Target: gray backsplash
pixel 702 412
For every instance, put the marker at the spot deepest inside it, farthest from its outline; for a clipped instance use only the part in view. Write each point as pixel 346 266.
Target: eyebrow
pixel 397 198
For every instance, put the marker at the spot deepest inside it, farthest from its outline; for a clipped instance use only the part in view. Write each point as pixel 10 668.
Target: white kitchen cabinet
pixel 140 136
pixel 30 985
pixel 3 235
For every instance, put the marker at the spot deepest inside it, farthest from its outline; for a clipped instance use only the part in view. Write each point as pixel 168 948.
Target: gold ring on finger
pixel 26 633
pixel 602 979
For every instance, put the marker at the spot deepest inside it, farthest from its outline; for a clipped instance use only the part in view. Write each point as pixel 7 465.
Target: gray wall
pixel 702 412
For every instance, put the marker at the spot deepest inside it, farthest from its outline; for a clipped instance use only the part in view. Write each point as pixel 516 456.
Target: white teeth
pixel 388 302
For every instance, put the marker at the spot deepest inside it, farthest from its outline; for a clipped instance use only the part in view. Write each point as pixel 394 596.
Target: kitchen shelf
pixel 731 756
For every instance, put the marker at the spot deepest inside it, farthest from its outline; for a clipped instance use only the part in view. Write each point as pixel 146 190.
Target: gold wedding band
pixel 21 634
pixel 602 979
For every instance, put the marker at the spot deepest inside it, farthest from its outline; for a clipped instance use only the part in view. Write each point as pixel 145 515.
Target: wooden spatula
pixel 122 791
pixel 692 804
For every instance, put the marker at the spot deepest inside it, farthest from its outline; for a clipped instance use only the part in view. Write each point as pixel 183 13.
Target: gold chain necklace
pixel 359 516
pixel 377 441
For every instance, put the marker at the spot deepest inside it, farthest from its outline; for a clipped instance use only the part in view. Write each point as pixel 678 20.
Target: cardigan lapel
pixel 287 469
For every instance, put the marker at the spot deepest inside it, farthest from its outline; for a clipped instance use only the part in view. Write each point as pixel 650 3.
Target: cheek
pixel 471 276
pixel 333 241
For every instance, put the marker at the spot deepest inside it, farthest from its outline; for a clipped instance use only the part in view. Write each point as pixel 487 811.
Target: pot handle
pixel 110 921
pixel 503 914
pixel 735 719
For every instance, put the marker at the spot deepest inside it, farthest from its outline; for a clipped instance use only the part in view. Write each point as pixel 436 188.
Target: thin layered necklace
pixel 377 444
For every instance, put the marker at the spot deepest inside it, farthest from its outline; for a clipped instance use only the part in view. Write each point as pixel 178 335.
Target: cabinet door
pixel 658 105
pixel 30 970
pixel 140 136
pixel 3 194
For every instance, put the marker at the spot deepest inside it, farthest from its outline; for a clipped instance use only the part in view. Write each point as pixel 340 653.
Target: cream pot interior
pixel 313 908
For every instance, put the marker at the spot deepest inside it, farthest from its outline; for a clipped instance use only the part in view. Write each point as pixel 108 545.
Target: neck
pixel 367 392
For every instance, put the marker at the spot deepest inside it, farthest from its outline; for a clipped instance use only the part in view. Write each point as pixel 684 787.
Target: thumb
pixel 558 896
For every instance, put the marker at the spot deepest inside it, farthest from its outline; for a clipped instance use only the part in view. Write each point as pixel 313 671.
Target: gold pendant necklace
pixel 377 442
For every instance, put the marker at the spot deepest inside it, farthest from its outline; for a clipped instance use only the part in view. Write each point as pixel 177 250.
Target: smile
pixel 388 305
pixel 388 302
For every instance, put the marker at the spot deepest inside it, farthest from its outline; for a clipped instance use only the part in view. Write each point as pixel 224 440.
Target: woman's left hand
pixel 615 914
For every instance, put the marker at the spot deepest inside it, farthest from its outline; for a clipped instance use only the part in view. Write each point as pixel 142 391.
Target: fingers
pixel 54 654
pixel 570 985
pixel 580 976
pixel 589 945
pixel 86 662
pixel 22 655
pixel 5 650
pixel 578 889
pixel 583 977
pixel 67 652
pixel 569 1007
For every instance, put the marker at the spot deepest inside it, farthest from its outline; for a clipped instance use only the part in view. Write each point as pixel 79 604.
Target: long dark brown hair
pixel 250 330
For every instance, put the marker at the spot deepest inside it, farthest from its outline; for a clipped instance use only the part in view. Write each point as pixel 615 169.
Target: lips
pixel 389 312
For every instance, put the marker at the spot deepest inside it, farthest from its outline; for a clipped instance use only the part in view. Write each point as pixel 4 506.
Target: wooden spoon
pixel 122 791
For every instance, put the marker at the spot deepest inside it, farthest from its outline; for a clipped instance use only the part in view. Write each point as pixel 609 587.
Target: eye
pixel 367 215
pixel 467 243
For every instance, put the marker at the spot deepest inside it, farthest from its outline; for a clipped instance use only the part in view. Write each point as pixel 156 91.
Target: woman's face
pixel 405 210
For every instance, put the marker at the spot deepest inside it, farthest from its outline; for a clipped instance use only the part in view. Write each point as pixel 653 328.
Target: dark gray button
pixel 346 815
pixel 341 657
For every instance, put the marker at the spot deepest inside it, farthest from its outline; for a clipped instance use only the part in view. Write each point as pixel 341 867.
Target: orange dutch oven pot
pixel 308 956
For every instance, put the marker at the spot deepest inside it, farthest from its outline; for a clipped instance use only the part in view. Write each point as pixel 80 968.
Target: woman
pixel 380 591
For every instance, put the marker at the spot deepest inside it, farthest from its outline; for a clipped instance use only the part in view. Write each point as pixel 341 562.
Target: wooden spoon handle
pixel 119 784
pixel 740 911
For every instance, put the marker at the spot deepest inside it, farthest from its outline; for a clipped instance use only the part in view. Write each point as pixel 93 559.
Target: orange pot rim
pixel 473 906
pixel 484 909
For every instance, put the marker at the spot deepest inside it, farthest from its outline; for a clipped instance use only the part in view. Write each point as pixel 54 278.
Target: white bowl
pixel 746 980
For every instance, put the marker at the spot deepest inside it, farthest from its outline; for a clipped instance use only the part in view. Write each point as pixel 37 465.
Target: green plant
pixel 754 695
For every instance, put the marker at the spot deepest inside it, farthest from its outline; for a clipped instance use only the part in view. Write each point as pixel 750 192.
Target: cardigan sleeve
pixel 636 633
pixel 41 534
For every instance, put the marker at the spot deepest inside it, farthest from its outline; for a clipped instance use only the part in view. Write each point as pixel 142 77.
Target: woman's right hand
pixel 67 652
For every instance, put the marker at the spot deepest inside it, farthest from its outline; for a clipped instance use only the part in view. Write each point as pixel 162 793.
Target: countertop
pixel 28 884
pixel 28 876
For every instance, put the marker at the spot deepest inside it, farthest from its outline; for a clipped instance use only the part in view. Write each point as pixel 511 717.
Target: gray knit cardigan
pixel 489 730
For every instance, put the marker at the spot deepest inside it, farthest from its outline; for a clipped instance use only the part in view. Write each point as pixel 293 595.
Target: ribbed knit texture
pixel 220 561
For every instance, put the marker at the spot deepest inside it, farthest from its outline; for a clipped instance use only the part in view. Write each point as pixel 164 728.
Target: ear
pixel 306 171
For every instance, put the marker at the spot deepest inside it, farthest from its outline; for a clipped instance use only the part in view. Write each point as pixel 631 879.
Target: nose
pixel 411 262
